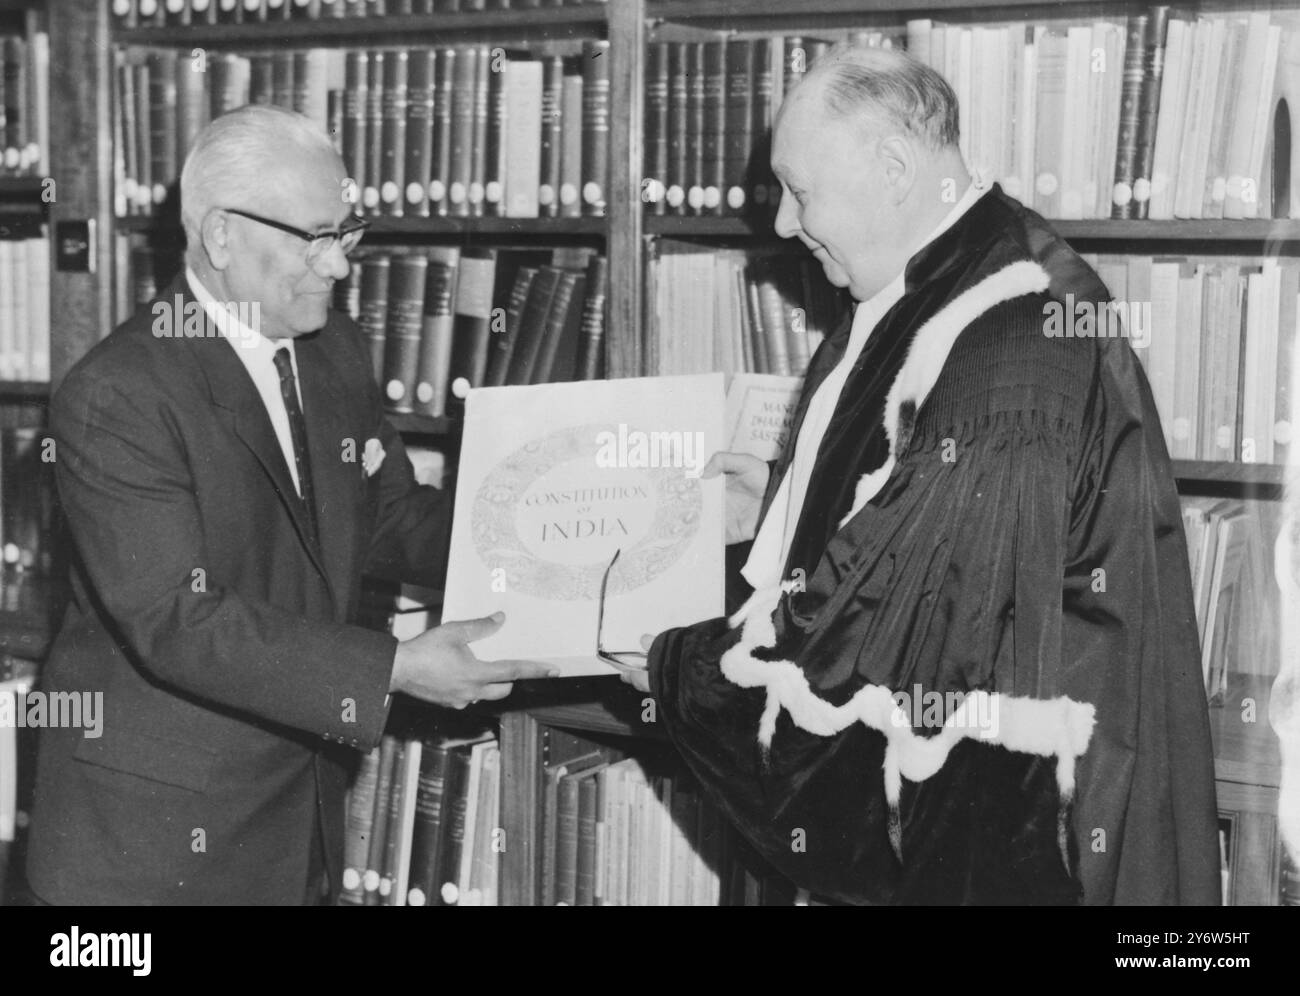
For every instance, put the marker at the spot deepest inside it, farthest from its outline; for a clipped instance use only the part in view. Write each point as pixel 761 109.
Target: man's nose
pixel 334 264
pixel 787 217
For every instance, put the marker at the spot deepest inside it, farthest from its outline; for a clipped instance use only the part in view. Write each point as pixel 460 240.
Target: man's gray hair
pixel 233 160
pixel 879 82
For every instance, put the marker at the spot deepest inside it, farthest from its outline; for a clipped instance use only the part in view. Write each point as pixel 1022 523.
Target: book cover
pixel 760 412
pixel 557 479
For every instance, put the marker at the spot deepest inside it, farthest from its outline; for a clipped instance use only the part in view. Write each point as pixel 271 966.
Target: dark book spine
pixel 552 90
pixel 125 13
pixel 566 842
pixel 571 147
pixel 355 99
pixel 494 176
pixel 356 834
pixel 152 14
pixel 310 86
pixel 229 11
pixel 436 332
pixel 695 142
pixel 392 182
pixel 162 121
pixel 374 131
pixel 1152 77
pixel 176 13
pixel 478 137
pixel 282 79
pixel 461 165
pixel 715 125
pixel 306 10
pixel 1130 108
pixel 501 345
pixel 419 129
pixel 379 827
pixel 126 101
pixel 191 106
pixel 544 367
pixel 375 271
pixel 230 83
pixel 592 341
pixel 532 326
pixel 472 325
pixel 761 183
pixel 595 127
pixel 739 123
pixel 203 11
pixel 453 838
pixel 260 89
pixel 143 138
pixel 402 334
pixel 396 793
pixel 678 117
pixel 425 840
pixel 654 183
pixel 585 863
pixel 334 118
pixel 440 161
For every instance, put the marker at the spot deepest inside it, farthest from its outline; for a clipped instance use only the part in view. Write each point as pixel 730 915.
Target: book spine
pixel 282 79
pixel 532 326
pixel 392 167
pixel 738 124
pixel 162 122
pixel 552 124
pixel 370 199
pixel 654 183
pixel 453 838
pixel 360 820
pixel 436 332
pixel 571 147
pixel 585 859
pixel 425 841
pixel 763 190
pixel 440 154
pixel 677 179
pixel 311 86
pixel 388 870
pixel 591 344
pixel 461 161
pixel 595 127
pixel 566 842
pixel 1152 81
pixel 375 276
pixel 544 365
pixel 475 192
pixel 347 292
pixel 494 177
pixel 1130 113
pixel 419 130
pixel 402 335
pixel 501 345
pixel 379 832
pixel 472 325
pixel 715 123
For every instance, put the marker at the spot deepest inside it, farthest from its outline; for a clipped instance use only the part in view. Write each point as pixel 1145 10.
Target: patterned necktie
pixel 298 430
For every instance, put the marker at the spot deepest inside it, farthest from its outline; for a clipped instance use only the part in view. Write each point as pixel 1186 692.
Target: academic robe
pixel 992 524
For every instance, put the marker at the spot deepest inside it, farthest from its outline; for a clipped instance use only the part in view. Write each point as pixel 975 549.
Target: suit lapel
pixel 234 393
pixel 326 406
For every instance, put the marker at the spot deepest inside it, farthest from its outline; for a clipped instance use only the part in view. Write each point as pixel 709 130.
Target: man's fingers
pixel 469 630
pixel 722 462
pixel 494 671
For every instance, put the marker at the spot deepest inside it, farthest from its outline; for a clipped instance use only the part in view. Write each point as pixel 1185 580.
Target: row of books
pixel 482 317
pixel 709 110
pixel 1229 547
pixel 161 13
pixel 1217 338
pixel 17 676
pixel 25 104
pixel 24 303
pixel 730 310
pixel 423 824
pixel 26 498
pixel 465 131
pixel 1163 116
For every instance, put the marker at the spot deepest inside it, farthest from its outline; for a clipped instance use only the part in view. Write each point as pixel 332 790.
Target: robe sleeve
pixel 962 593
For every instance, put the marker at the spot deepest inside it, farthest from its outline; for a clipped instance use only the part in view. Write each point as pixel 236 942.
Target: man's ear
pixel 898 159
pixel 216 239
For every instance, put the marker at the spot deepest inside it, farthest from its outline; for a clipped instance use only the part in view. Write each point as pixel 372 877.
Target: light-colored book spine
pixel 1169 121
pixel 1248 97
pixel 1193 115
pixel 523 138
pixel 1187 362
pixel 1166 336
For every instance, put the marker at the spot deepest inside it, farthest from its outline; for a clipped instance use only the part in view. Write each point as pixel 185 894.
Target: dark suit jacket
pixel 236 695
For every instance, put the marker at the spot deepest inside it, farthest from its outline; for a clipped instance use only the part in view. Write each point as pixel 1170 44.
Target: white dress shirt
pixel 771 547
pixel 257 353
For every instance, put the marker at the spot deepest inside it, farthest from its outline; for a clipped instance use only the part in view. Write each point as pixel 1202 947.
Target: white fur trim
pixel 1060 727
pixel 929 352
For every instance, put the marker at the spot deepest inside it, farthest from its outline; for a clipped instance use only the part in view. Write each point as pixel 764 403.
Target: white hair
pixel 233 159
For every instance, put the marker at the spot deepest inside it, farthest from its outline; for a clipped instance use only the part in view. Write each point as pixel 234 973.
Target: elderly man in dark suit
pixel 228 475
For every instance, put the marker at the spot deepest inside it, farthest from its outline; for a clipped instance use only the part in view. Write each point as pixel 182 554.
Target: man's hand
pixel 438 666
pixel 639 678
pixel 746 482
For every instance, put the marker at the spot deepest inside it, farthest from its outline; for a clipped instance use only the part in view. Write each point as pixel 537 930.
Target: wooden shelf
pixel 545 22
pixel 1246 749
pixel 1270 231
pixel 736 10
pixel 529 228
pixel 21 186
pixel 1266 474
pixel 25 390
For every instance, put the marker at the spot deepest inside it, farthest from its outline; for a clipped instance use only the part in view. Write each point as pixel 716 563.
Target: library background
pixel 597 172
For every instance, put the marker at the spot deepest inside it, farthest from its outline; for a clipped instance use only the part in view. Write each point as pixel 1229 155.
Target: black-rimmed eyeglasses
pixel 346 235
pixel 624 660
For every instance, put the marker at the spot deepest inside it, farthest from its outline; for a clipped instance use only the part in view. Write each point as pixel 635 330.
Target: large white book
pixel 760 413
pixel 555 482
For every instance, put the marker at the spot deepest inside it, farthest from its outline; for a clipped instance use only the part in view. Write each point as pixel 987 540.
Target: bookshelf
pixel 83 37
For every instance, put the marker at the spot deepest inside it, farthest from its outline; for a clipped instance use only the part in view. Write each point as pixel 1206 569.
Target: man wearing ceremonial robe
pixel 975 507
